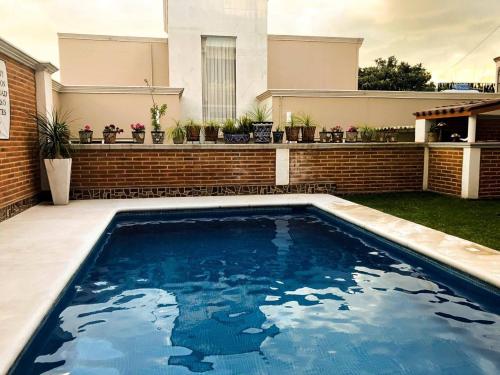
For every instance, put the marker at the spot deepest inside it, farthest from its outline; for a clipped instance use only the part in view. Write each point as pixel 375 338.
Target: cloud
pixel 436 33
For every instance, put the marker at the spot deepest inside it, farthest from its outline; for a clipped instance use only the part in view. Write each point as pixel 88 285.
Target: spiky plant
pixel 260 113
pixel 53 135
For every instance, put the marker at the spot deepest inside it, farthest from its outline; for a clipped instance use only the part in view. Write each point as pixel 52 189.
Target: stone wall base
pixel 196 191
pixel 17 207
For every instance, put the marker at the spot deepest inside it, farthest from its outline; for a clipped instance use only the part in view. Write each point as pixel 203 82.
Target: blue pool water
pixel 267 291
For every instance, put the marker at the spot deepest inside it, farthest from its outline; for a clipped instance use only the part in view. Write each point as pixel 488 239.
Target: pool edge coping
pixel 333 205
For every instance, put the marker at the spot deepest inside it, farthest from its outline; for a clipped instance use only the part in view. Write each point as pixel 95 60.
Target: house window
pixel 218 55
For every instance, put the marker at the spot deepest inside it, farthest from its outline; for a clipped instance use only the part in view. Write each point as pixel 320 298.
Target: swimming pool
pixel 270 290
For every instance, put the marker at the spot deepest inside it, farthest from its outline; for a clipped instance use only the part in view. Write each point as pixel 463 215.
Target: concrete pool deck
pixel 43 247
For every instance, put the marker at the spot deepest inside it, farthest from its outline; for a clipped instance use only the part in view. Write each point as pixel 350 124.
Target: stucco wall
pixel 120 109
pixel 347 108
pixel 108 60
pixel 188 20
pixel 302 62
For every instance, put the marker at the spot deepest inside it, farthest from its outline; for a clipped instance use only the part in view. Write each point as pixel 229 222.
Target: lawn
pixel 474 220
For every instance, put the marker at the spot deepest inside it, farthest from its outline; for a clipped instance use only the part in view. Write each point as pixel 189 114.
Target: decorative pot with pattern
pixel 158 137
pixel 236 138
pixel 139 136
pixel 85 136
pixel 262 131
pixel 109 137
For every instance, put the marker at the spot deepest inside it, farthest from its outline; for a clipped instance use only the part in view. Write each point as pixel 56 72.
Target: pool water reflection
pixel 263 292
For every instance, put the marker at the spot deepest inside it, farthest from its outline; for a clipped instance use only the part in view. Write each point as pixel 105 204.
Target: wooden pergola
pixel 470 109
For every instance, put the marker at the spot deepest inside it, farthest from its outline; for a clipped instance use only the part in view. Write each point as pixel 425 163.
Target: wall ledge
pixel 116 38
pixel 249 146
pixel 90 89
pixel 320 93
pixel 21 57
pixel 463 145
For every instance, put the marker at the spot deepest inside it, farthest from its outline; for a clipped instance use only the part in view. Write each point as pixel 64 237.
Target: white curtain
pixel 218 77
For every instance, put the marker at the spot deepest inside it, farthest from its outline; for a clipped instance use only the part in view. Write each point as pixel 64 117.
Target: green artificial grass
pixel 474 220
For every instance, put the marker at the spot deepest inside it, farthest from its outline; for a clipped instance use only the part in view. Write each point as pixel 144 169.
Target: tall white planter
pixel 59 174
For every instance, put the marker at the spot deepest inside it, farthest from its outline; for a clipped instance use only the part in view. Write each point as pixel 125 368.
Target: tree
pixel 391 75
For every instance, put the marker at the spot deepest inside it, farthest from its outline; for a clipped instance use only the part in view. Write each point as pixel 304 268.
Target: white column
pixel 422 127
pixel 425 182
pixel 44 106
pixel 471 129
pixel 282 166
pixel 44 101
pixel 471 165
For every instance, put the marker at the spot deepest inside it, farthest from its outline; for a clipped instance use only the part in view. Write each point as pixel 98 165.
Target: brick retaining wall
pixel 489 177
pixel 445 170
pixel 19 163
pixel 360 170
pixel 172 168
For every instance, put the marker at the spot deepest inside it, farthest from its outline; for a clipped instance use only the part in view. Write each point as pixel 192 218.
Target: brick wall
pixel 445 170
pixel 374 169
pixel 488 129
pixel 19 163
pixel 160 168
pixel 489 177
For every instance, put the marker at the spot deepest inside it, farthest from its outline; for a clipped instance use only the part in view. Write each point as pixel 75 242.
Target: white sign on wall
pixel 4 102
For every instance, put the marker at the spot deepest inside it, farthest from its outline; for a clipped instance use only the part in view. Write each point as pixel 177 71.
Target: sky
pixel 444 35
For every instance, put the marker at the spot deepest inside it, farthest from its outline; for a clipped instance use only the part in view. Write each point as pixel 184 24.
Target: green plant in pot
pixel 262 126
pixel 177 133
pixel 55 149
pixel 366 133
pixel 325 136
pixel 157 112
pixel 237 131
pixel 211 130
pixel 308 128
pixel 292 130
pixel 278 134
pixel 435 131
pixel 193 130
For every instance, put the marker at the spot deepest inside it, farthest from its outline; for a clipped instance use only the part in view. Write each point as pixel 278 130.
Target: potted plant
pixel 434 134
pixel 337 134
pixel 211 131
pixel 262 127
pixel 157 112
pixel 379 134
pixel 138 132
pixel 86 134
pixel 192 131
pixel 366 133
pixel 55 149
pixel 308 128
pixel 325 136
pixel 406 134
pixel 351 135
pixel 109 133
pixel 237 132
pixel 178 133
pixel 391 134
pixel 292 130
pixel 278 134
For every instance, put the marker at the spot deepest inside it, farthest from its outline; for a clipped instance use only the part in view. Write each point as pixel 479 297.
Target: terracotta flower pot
pixel 292 133
pixel 193 133
pixel 308 133
pixel 211 134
